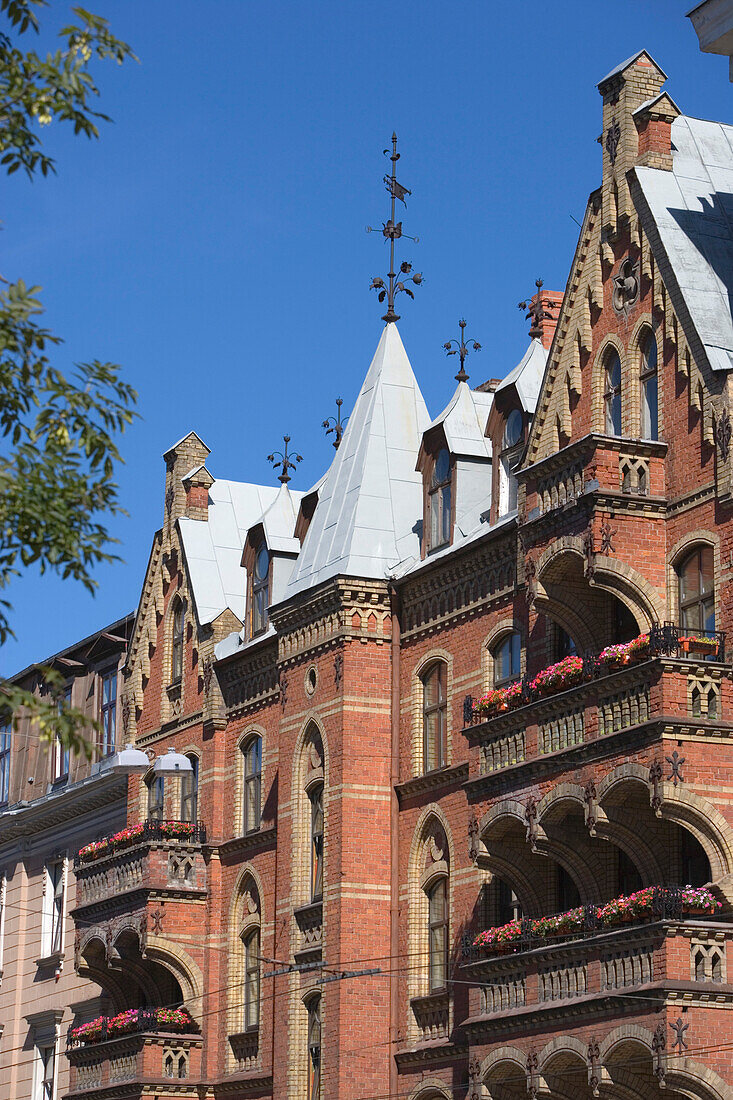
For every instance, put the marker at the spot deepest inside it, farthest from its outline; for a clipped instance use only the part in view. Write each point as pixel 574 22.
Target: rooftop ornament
pixel 335 425
pixel 535 312
pixel 392 231
pixel 285 462
pixel 461 349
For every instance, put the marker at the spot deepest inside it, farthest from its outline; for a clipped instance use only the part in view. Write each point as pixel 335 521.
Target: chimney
pixel 653 122
pixel 180 459
pixel 633 84
pixel 197 483
pixel 544 310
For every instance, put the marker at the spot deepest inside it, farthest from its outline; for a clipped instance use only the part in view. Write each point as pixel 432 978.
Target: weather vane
pixel 535 312
pixel 335 424
pixel 285 462
pixel 462 350
pixel 393 231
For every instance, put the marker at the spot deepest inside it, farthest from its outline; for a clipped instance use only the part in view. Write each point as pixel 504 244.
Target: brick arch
pixel 623 773
pixel 511 1058
pixel 675 556
pixel 506 625
pixel 636 848
pixel 240 925
pixel 599 367
pixel 300 810
pixel 430 1088
pixel 698 1081
pixel 707 825
pixel 561 1044
pixel 572 621
pixel 508 807
pixel 184 969
pixel 563 792
pixel 628 585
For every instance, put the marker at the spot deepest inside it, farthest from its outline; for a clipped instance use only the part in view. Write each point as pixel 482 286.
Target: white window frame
pixel 45 1088
pixel 54 915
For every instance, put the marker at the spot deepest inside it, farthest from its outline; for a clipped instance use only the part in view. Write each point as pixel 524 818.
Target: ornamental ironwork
pixel 461 349
pixel 675 762
pixel 335 425
pixel 535 311
pixel 285 462
pixel 392 231
pixel 679 1028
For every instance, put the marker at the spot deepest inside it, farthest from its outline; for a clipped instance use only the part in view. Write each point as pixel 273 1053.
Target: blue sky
pixel 212 241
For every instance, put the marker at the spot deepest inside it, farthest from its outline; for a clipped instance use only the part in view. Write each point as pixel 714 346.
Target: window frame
pixel 700 598
pixel 47 1054
pixel 108 712
pixel 439 709
pixel 6 741
pixel 316 841
pixel 252 785
pixel 178 639
pixel 260 591
pixel 611 391
pixel 314 1031
pixel 60 755
pixel 509 637
pixel 438 928
pixel 251 968
pixel 54 908
pixel 190 797
pixel 155 783
pixel 439 504
pixel 646 373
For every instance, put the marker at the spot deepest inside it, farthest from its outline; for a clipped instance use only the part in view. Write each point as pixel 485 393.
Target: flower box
pixel 693 644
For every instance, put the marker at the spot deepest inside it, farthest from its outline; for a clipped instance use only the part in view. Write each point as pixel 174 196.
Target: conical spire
pixel 371 501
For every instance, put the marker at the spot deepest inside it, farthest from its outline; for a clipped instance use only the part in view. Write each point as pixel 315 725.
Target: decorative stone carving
pixel 530 816
pixel 655 780
pixel 613 137
pixel 723 432
pixel 659 1050
pixel 473 840
pixel 594 1067
pixel 590 796
pixel 626 286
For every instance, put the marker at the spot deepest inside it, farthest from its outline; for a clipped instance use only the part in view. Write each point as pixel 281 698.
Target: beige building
pixel 51 804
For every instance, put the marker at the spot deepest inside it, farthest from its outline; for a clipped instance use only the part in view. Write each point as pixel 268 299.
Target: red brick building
pixel 382 769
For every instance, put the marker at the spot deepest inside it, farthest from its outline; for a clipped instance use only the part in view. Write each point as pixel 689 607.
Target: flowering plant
pixel 692 641
pixel 496 938
pixel 559 676
pixel 128 835
pixel 131 1020
pixel 700 899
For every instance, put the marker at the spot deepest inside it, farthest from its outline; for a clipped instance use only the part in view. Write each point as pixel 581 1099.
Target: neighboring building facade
pixel 51 804
pixel 377 774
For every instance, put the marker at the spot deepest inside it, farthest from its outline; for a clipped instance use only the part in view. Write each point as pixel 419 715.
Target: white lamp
pixel 130 760
pixel 171 763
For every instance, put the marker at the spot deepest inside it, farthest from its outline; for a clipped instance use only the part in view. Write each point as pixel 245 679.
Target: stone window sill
pixel 54 959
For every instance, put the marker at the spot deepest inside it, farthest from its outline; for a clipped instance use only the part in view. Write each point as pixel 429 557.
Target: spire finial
pixel 393 231
pixel 335 424
pixel 461 349
pixel 285 462
pixel 535 311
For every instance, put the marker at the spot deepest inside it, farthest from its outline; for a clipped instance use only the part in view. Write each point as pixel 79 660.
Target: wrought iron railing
pixel 144 832
pixel 669 639
pixel 135 1022
pixel 667 904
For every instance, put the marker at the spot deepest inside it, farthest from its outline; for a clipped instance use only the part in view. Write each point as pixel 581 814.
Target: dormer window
pixel 260 590
pixel 439 501
pixel 510 450
pixel 513 429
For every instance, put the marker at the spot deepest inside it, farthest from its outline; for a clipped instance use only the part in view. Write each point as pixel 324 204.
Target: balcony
pixel 667 951
pixel 160 856
pixel 148 1053
pixel 666 677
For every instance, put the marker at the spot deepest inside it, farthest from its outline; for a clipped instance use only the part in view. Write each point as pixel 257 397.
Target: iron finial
pixel 461 349
pixel 535 311
pixel 335 424
pixel 392 231
pixel 285 462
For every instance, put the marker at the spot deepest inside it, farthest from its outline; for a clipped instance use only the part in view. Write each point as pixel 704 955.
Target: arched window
pixel 612 393
pixel 316 844
pixel 697 590
pixel 649 388
pixel 507 903
pixel 190 790
pixel 439 501
pixel 438 935
pixel 156 798
pixel 252 814
pixel 435 713
pixel 177 643
pixel 252 980
pixel 513 428
pixel 260 590
pixel 314 1048
pixel 694 863
pixel 507 659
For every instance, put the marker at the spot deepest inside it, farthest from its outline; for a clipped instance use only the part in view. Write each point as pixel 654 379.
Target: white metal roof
pixel 692 208
pixel 527 376
pixel 213 547
pixel 279 519
pixel 464 422
pixel 370 505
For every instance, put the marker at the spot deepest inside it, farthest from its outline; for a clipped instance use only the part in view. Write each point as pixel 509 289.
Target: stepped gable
pixel 370 506
pixel 691 208
pixel 213 547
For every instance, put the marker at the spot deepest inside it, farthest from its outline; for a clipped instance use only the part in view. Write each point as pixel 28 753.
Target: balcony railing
pixel 132 1021
pixel 191 832
pixel 151 1059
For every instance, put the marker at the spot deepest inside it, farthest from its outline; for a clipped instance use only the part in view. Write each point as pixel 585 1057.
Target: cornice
pixel 64 806
pixel 439 1050
pixel 432 781
pixel 248 842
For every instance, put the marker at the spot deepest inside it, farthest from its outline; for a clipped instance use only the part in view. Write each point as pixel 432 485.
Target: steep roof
pixel 370 504
pixel 213 547
pixel 464 422
pixel 279 519
pixel 527 376
pixel 692 209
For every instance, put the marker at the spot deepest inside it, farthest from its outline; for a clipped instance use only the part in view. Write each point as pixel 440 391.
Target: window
pixel 439 501
pixel 60 753
pixel 612 394
pixel 108 717
pixel 177 646
pixel 438 935
pixel 629 879
pixel 156 797
pixel 314 1048
pixel 252 784
pixel 694 863
pixel 3 893
pixel 565 646
pixel 252 981
pixel 697 590
pixel 46 1072
pixel 507 903
pixel 190 790
pixel 513 428
pixel 260 590
pixel 316 801
pixel 5 737
pixel 507 660
pixel 649 389
pixel 568 896
pixel 53 907
pixel 435 713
